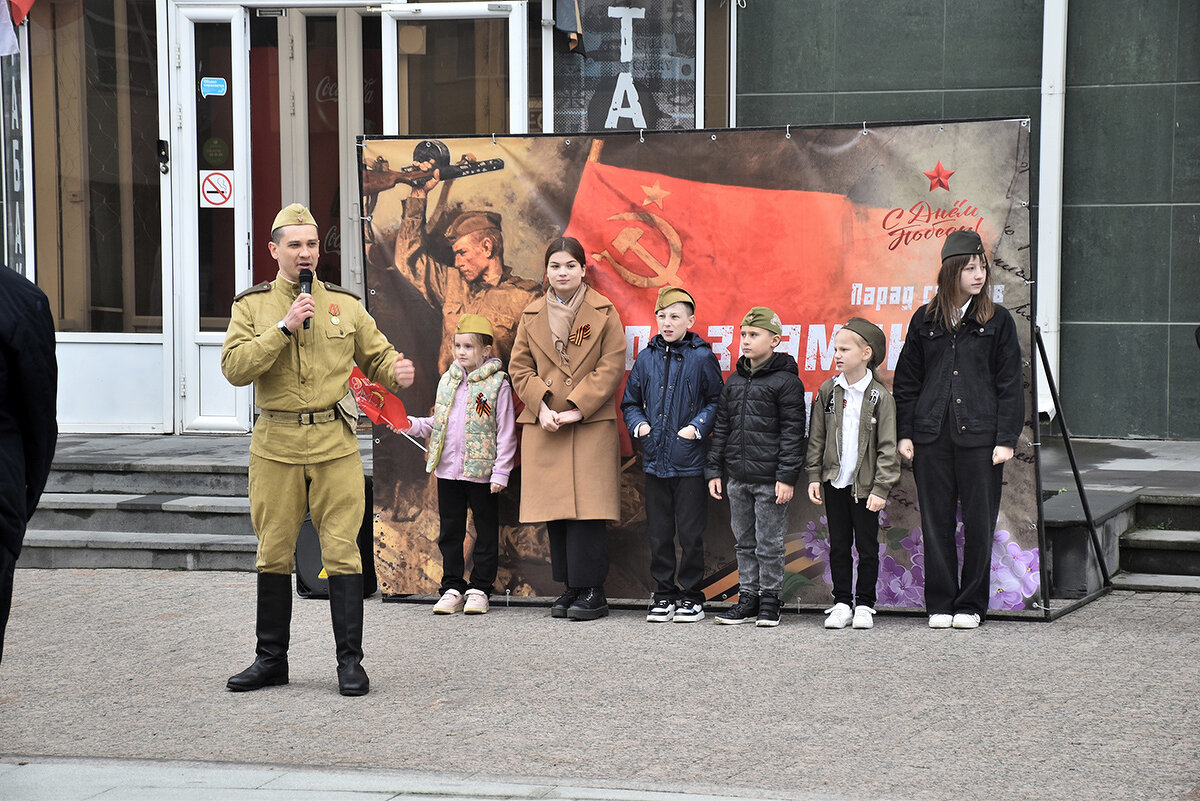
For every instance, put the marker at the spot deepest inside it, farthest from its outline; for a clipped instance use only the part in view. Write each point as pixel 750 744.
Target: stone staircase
pixel 1161 552
pixel 186 515
pixel 1151 543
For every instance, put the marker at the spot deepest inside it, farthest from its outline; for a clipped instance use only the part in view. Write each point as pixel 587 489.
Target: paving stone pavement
pixel 104 669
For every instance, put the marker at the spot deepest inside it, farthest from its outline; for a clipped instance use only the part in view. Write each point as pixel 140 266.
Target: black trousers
pixel 579 552
pixel 8 565
pixel 454 498
pixel 949 475
pixel 850 521
pixel 677 507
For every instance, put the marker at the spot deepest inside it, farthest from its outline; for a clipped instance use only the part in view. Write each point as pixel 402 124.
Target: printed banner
pixel 624 65
pixel 820 224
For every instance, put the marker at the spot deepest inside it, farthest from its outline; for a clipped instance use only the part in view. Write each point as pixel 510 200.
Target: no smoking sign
pixel 216 189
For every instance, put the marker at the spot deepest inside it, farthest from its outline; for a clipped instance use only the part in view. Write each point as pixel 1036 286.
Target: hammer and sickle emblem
pixel 630 240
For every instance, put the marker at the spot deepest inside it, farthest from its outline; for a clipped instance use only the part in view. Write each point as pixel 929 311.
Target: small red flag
pixel 377 403
pixel 20 8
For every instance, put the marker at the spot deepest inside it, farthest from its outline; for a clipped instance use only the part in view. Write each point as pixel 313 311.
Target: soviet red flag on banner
pixel 377 403
pixel 733 247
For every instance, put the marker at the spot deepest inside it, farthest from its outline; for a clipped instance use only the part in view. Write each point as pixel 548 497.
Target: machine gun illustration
pixel 379 177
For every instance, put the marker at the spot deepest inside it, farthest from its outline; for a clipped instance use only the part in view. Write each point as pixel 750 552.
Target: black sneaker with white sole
pixel 662 611
pixel 689 612
pixel 744 611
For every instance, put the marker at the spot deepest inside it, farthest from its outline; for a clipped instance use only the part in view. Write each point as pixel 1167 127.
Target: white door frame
pixel 293 106
pixel 514 11
pixel 207 402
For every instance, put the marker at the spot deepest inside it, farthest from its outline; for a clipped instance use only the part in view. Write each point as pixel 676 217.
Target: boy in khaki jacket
pixel 853 409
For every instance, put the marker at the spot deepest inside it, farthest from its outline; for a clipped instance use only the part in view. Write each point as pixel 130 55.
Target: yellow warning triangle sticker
pixel 323 574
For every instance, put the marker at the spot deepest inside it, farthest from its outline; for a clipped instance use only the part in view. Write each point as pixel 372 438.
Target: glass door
pixel 211 234
pixel 455 68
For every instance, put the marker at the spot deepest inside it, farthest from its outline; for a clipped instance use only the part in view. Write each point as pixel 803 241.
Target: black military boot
pixel 563 602
pixel 589 605
pixel 273 630
pixel 346 611
pixel 768 610
pixel 744 611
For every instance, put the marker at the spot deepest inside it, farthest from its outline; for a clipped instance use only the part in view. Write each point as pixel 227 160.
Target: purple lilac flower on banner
pixel 817 546
pixel 899 586
pixel 1014 573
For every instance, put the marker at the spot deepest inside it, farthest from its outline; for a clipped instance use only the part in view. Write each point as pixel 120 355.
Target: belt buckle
pixel 300 419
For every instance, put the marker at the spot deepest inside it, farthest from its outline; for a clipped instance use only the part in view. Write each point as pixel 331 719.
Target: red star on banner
pixel 939 176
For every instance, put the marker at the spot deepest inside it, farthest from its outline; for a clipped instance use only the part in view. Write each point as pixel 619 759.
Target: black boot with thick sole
pixel 590 604
pixel 346 611
pixel 274 625
pixel 563 602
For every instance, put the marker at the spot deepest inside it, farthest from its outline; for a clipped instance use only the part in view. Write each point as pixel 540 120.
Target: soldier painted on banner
pixel 480 283
pixel 298 349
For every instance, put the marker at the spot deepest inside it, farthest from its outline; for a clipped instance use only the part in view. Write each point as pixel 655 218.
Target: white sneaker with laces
pixel 863 617
pixel 966 620
pixel 451 601
pixel 476 603
pixel 840 616
pixel 940 621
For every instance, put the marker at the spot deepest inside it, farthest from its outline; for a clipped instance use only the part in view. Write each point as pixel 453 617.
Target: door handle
pixel 164 157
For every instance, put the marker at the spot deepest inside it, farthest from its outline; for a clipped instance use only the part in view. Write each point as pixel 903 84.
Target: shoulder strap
pixel 265 286
pixel 335 288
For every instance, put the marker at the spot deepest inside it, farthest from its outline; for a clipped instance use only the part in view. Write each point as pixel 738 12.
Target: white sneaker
pixel 451 601
pixel 966 620
pixel 863 617
pixel 940 621
pixel 476 603
pixel 839 616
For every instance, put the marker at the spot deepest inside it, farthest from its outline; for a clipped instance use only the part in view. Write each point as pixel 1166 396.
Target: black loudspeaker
pixel 309 582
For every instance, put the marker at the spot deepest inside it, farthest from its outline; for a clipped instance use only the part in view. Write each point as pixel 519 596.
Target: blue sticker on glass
pixel 213 87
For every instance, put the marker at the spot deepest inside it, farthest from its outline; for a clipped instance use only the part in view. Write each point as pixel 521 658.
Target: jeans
pixel 758 524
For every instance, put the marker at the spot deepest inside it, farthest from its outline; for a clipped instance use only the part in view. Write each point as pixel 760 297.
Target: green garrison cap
pixel 874 336
pixel 764 318
pixel 962 243
pixel 673 294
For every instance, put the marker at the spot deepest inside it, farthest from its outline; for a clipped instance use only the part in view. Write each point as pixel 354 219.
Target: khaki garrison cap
pixel 295 214
pixel 673 294
pixel 474 324
pixel 471 221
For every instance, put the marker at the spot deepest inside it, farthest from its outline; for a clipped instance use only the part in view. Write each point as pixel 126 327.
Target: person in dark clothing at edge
pixel 28 424
pixel 756 455
pixel 960 407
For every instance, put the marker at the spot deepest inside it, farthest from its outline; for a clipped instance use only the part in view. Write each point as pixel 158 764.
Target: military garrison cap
pixel 471 221
pixel 673 294
pixel 962 243
pixel 874 336
pixel 764 318
pixel 295 214
pixel 474 324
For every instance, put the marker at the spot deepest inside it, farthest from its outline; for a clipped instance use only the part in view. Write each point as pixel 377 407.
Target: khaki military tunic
pixel 304 454
pixel 443 288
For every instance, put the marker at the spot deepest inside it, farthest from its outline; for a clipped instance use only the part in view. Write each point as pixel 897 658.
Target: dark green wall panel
pixel 1184 396
pixel 1114 263
pixel 993 44
pixel 1185 264
pixel 1110 386
pixel 1122 41
pixel 1118 143
pixel 1186 182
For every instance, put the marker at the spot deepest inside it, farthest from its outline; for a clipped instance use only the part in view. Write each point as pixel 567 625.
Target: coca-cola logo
pixel 327 90
pixel 333 240
pixel 924 221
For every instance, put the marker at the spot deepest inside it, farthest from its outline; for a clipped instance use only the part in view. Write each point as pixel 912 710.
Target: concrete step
pixel 194 514
pixel 121 549
pixel 1155 582
pixel 1168 511
pixel 1161 551
pixel 149 479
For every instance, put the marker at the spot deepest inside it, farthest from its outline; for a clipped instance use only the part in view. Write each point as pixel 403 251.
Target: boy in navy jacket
pixel 669 405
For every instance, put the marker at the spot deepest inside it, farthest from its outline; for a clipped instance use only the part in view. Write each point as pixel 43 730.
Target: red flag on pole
pixel 377 403
pixel 20 9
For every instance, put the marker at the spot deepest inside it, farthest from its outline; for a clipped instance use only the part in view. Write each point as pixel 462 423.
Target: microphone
pixel 306 277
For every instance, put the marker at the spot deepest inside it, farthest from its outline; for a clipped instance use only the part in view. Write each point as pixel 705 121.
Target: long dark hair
pixel 566 244
pixel 944 307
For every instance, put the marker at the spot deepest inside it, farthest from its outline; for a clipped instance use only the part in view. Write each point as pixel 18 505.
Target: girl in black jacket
pixel 960 408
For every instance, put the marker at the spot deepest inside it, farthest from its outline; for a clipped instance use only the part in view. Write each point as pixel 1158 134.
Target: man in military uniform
pixel 298 349
pixel 480 283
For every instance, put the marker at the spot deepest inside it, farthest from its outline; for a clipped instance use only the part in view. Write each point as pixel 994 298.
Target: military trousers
pixel 281 494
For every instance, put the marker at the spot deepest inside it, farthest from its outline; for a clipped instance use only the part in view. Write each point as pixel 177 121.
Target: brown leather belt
pixel 301 418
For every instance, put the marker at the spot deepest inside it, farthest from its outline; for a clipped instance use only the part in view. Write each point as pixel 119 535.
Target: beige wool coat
pixel 572 473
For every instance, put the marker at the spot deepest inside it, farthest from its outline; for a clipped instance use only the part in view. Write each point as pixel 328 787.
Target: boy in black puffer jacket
pixel 669 406
pixel 758 447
